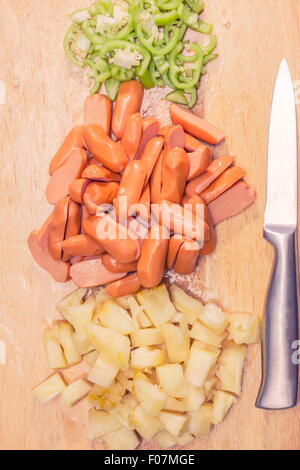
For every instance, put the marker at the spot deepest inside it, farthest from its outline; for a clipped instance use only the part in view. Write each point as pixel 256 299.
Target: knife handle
pixel 279 388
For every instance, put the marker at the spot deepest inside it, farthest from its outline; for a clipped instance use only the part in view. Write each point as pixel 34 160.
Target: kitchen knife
pixel 280 325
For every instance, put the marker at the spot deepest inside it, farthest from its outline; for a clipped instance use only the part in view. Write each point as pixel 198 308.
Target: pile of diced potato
pixel 158 365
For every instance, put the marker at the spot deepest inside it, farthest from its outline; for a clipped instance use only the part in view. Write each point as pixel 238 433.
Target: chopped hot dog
pixel 175 169
pixel 74 139
pixel 98 110
pixel 57 228
pixel 150 130
pixel 191 144
pixel 156 179
pixel 129 101
pixel 174 247
pixel 92 272
pixel 116 267
pixel 151 154
pixel 96 172
pixel 131 187
pixel 77 189
pixel 126 286
pixel 174 137
pixel 81 245
pixel 187 257
pixel 222 183
pixel 132 135
pixel 98 194
pixel 199 161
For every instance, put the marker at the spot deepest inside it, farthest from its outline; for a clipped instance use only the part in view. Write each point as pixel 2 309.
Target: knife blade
pixel 279 385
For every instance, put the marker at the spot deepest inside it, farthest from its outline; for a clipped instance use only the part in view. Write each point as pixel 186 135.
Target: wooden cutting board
pixel 44 98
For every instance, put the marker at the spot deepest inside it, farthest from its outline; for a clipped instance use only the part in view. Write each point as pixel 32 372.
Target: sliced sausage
pixel 199 161
pixel 81 245
pixel 174 246
pixel 156 179
pixel 129 101
pixel 175 170
pixel 187 257
pixel 131 187
pixel 126 286
pixel 195 125
pixel 116 267
pixel 152 262
pixel 96 172
pixel 201 209
pixel 215 169
pixel 73 226
pixel 57 228
pixel 163 130
pixel 143 208
pixel 132 135
pixel 174 137
pixel 98 194
pixel 92 272
pixel 111 154
pixel 232 202
pixel 150 130
pixel 61 179
pixel 74 139
pixel 191 144
pixel 151 154
pixel 222 183
pixel 98 110
pixel 77 189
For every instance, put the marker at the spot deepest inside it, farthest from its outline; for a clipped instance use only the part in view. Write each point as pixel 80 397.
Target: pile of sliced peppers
pixel 118 40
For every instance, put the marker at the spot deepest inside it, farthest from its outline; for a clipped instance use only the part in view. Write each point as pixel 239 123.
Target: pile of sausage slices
pixel 117 156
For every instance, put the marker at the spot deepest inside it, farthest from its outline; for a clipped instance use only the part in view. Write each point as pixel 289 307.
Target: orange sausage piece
pixel 152 263
pixel 195 125
pixel 129 101
pixel 174 137
pixel 187 257
pixel 199 161
pixel 232 202
pixel 215 169
pixel 98 110
pixel 163 130
pixel 115 238
pixel 58 186
pixel 57 228
pixel 92 272
pixel 179 220
pixel 97 172
pixel 174 247
pixel 98 194
pixel 150 130
pixel 190 143
pixel 175 169
pixel 81 245
pixel 150 155
pixel 126 286
pixel 131 187
pixel 111 154
pixel 222 183
pixel 199 207
pixel 74 219
pixel 156 179
pixel 116 267
pixel 77 189
pixel 132 135
pixel 38 246
pixel 143 210
pixel 73 139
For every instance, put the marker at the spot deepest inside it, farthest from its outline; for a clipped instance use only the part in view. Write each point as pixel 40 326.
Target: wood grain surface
pixel 44 98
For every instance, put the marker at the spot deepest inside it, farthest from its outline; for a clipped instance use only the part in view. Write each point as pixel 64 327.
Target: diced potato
pixel 143 320
pixel 165 440
pixel 186 304
pixel 244 328
pixel 74 392
pixel 123 302
pixel 171 378
pixel 112 316
pixel 208 387
pixel 121 439
pixel 177 340
pixel 138 314
pixel 200 420
pixel 82 342
pixel 173 422
pixel 151 398
pixel 146 425
pixel 204 334
pixel 113 344
pixel 103 371
pixel 214 318
pixel 144 357
pixel 54 352
pixel 231 364
pixel 130 401
pixel 78 371
pixel 199 364
pixel 101 423
pixel 66 338
pixel 50 388
pixel 72 300
pixel 146 337
pixel 173 404
pixel 80 316
pixel 101 297
pixel 121 413
pixel 91 357
pixel 185 439
pixel 222 403
pixel 194 399
pixel 157 304
pixel 127 383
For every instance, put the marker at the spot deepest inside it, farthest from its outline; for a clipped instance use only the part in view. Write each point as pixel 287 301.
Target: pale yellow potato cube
pixel 209 385
pixel 143 320
pixel 100 423
pixel 112 316
pixel 177 339
pixel 75 392
pixel 138 313
pixel 144 357
pixel 171 378
pixel 91 357
pixel 151 398
pixel 157 304
pixel 185 438
pixel 123 302
pixel 244 328
pixel 146 337
pixel 173 422
pixel 130 401
pixel 165 440
pixel 173 404
pixel 194 399
pixel 101 297
pixel 54 352
pixel 103 371
pixel 49 388
pixel 200 420
pixel 146 425
pixel 121 439
pixel 72 300
pixel 121 413
pixel 201 333
pixel 231 364
pixel 214 318
pixel 199 364
pixel 186 304
pixel 80 315
pixel 111 343
pixel 222 402
pixel 66 338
